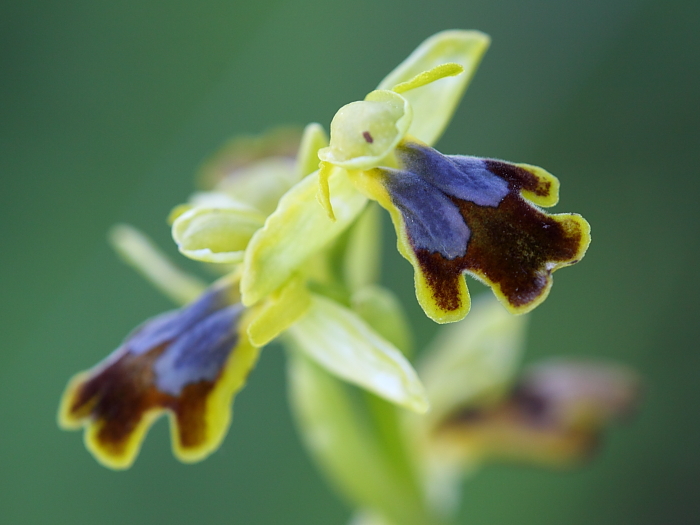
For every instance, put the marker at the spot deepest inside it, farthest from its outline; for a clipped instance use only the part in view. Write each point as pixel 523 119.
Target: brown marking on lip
pixel 519 178
pixel 511 247
pixel 118 397
pixel 368 137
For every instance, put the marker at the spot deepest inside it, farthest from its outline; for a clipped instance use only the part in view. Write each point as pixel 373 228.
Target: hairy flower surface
pixel 456 214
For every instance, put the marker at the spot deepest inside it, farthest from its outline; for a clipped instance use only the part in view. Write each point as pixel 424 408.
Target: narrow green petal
pixel 313 139
pixel 218 235
pixel 473 357
pixel 434 103
pixel 345 345
pixel 278 312
pixel 364 133
pixel 297 230
pixel 138 251
pixel 449 69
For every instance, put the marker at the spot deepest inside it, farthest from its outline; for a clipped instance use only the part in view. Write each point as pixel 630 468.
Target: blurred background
pixel 107 109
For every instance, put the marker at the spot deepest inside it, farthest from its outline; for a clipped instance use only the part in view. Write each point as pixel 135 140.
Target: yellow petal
pixel 218 235
pixel 313 139
pixel 324 190
pixel 449 69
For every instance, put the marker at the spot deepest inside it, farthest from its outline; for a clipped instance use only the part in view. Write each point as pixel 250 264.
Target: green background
pixel 107 108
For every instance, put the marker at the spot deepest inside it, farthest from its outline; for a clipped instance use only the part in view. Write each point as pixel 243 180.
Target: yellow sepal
pixel 298 229
pixel 278 311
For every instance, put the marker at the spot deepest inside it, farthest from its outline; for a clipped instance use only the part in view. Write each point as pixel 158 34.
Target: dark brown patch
pixel 119 396
pixel 190 409
pixel 466 415
pixel 510 246
pixel 519 178
pixel 442 275
pixel 368 137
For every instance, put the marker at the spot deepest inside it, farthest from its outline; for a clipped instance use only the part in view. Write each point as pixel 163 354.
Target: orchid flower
pixel 452 214
pixel 190 363
pixel 290 222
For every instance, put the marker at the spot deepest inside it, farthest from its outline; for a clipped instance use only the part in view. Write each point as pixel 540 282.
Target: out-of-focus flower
pixel 554 415
pixel 242 184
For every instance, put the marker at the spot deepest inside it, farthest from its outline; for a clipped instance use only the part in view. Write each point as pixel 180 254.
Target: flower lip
pixel 200 353
pixel 457 214
pixel 432 220
pixel 188 362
